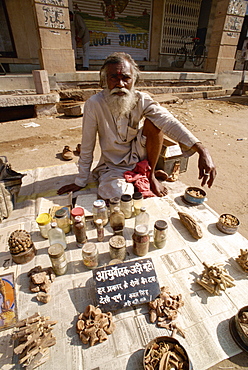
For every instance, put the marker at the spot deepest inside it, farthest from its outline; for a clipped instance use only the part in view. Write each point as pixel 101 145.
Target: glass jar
pixel 114 202
pixel 57 257
pixel 160 233
pixel 56 235
pixel 141 240
pixel 142 218
pixel 100 211
pixel 63 220
pixel 117 247
pixel 78 211
pixel 44 223
pixel 117 220
pixel 137 202
pixel 90 255
pixel 79 231
pixel 100 230
pixel 126 205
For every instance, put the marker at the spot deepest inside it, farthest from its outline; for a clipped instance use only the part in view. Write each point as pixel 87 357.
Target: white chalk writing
pixel 114 271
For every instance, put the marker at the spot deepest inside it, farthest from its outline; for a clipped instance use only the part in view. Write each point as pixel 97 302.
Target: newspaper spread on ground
pixel 204 317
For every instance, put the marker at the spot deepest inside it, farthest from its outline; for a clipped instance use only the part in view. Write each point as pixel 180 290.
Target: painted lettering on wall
pixel 53 2
pixel 99 39
pixel 138 40
pixel 54 17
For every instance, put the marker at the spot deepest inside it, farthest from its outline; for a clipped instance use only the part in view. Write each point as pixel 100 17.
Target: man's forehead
pixel 124 67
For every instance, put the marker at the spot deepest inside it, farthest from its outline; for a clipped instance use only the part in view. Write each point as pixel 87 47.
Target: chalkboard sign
pixel 126 284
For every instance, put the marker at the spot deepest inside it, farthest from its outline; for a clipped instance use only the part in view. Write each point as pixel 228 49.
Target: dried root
pixel 164 310
pixel 215 278
pixel 94 326
pixel 34 337
pixel 190 223
pixel 243 259
pixel 164 356
pixel 40 282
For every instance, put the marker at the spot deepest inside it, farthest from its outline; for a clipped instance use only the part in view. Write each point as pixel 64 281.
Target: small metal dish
pixel 195 195
pixel 172 343
pixel 228 223
pixel 237 331
pixel 24 257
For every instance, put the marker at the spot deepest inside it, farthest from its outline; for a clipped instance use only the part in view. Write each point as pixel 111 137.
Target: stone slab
pixel 14 100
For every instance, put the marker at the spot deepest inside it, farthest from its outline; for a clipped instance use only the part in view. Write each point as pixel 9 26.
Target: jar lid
pixel 43 219
pixel 161 225
pixel 137 195
pixel 114 200
pixel 61 213
pixel 56 250
pixel 99 222
pixel 126 197
pixel 99 203
pixel 141 229
pixel 78 219
pixel 89 249
pixel 142 209
pixel 117 241
pixel 77 211
pixel 53 224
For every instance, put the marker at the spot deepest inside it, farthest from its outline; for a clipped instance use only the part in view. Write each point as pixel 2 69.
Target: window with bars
pixel 180 21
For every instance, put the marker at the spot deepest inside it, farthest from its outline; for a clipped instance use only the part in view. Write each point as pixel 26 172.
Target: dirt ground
pixel 220 124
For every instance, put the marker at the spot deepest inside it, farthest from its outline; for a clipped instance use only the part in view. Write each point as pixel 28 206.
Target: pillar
pixel 53 25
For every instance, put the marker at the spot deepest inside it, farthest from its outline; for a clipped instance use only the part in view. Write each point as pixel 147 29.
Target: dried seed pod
pixel 190 223
pixel 19 241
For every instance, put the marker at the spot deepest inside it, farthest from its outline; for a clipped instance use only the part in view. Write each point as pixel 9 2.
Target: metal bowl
pixel 24 257
pixel 173 343
pixel 224 227
pixel 238 334
pixel 198 198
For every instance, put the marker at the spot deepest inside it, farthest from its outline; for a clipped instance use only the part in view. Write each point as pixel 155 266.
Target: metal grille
pixel 180 20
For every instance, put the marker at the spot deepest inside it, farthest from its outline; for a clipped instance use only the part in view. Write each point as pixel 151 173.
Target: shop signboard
pixel 126 284
pixel 116 26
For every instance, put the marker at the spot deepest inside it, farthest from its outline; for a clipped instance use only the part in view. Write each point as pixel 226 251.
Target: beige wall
pixel 24 32
pixel 225 24
pixel 156 29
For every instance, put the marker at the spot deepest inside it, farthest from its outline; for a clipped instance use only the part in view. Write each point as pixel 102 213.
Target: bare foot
pixel 157 188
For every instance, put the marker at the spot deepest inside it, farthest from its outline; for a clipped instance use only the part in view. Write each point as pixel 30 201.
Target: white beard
pixel 120 106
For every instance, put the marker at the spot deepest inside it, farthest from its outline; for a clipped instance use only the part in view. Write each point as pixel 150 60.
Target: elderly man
pixel 130 125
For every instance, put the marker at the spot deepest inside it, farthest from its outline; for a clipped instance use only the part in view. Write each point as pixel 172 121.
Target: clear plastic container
pixel 126 205
pixel 78 211
pixel 100 211
pixel 160 233
pixel 90 255
pixel 142 218
pixel 56 235
pixel 117 220
pixel 114 202
pixel 141 240
pixel 63 219
pixel 79 231
pixel 137 202
pixel 117 247
pixel 57 257
pixel 44 223
pixel 100 230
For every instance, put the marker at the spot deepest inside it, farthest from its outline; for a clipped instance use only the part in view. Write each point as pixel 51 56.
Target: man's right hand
pixel 68 189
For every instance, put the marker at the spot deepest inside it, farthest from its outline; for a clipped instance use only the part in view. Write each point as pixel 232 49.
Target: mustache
pixel 121 89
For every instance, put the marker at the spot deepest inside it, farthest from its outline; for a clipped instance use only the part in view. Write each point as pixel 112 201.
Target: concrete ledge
pixel 19 100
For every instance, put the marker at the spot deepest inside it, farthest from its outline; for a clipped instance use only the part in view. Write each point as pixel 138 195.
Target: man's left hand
pixel 207 169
